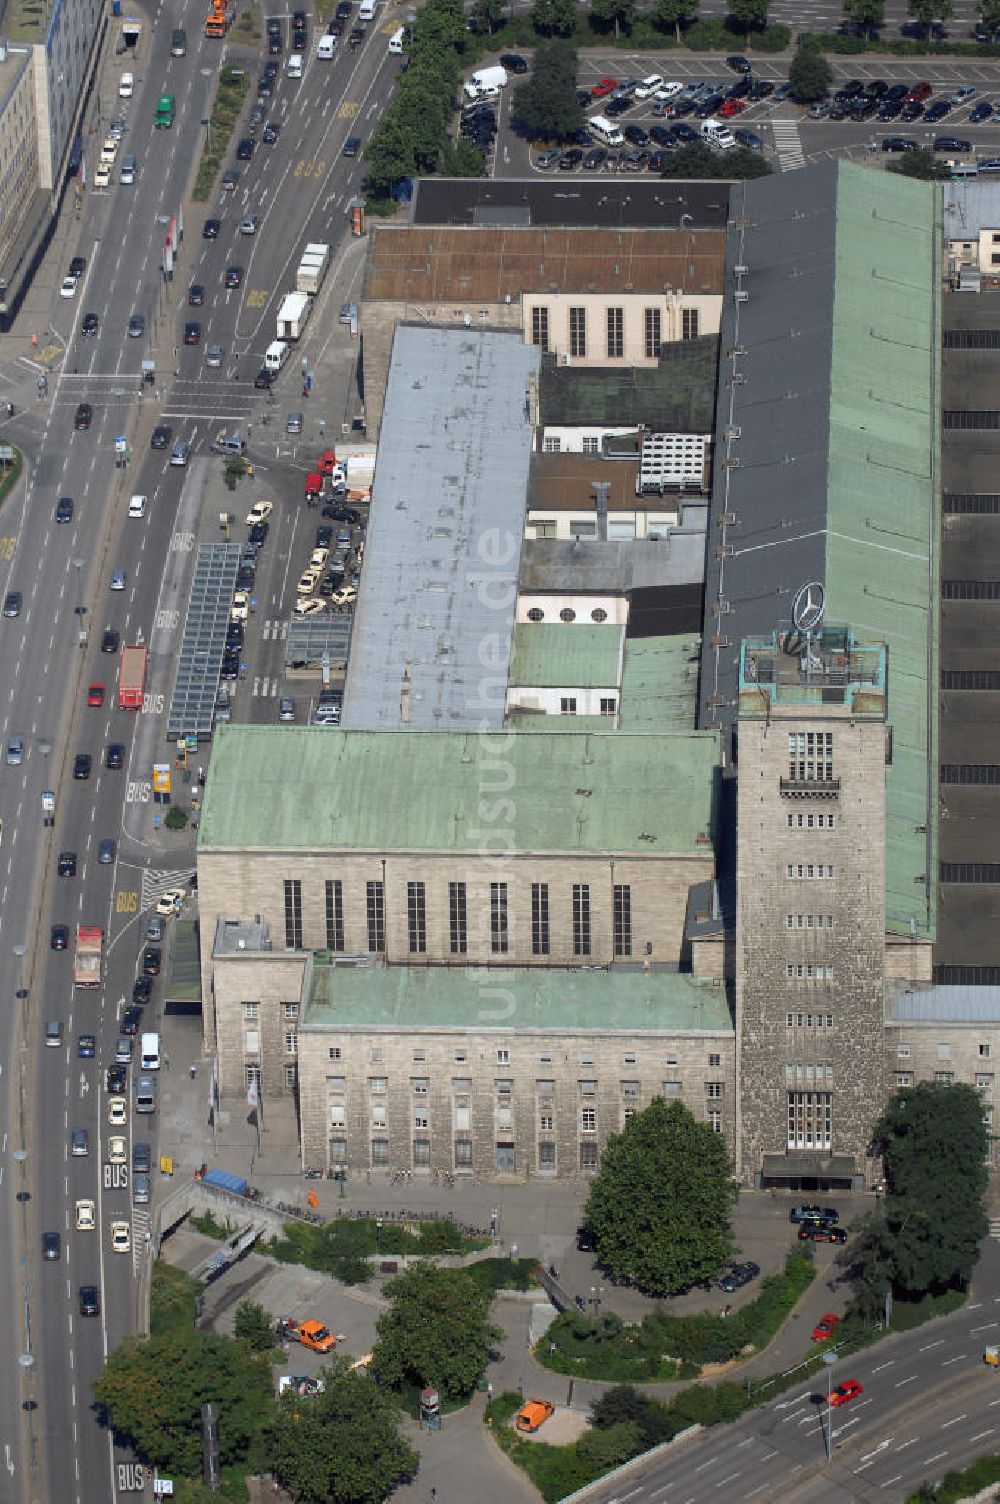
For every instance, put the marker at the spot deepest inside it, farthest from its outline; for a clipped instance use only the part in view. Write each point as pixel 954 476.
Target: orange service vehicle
pixel 533 1414
pixel 314 1335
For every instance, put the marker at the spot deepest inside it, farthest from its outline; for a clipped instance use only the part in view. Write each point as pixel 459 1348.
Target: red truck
pixel 89 954
pixel 132 677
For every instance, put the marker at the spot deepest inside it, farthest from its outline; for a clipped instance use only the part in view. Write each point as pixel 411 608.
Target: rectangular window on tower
pixel 499 940
pixel 416 918
pixel 689 323
pixel 578 332
pixel 458 927
pixel 335 915
pixel 652 332
pixel 540 328
pixel 623 919
pixel 375 897
pixel 810 756
pixel 810 1119
pixel 581 919
pixel 293 914
pixel 539 919
pixel 616 333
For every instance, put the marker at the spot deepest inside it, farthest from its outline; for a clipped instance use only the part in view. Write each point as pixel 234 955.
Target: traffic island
pixel 230 95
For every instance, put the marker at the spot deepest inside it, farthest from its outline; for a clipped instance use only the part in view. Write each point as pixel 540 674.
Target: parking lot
pixel 789 137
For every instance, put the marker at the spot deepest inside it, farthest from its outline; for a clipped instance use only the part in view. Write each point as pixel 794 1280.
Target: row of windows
pixel 943 1050
pixel 567 614
pixel 810 1120
pixel 810 756
pixel 807 971
pixel 568 704
pixel 985 1081
pixel 808 870
pixel 252 1077
pixel 461 1086
pixel 288 1010
pixel 376 1052
pixel 809 821
pixel 458 927
pixel 809 1020
pixel 614 325
pixel 505 1154
pixel 809 921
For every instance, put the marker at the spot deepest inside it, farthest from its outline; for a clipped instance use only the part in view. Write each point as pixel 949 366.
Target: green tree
pixel 809 74
pixel 462 159
pixel 625 1405
pixel 488 15
pixel 926 12
pixel 989 13
pixel 675 13
pixel 554 18
pixel 617 13
pixel 924 1238
pixel 661 1202
pixel 152 1391
pixel 865 14
pixel 698 160
pixel 253 1325
pixel 748 15
pixel 437 1331
pixel 919 164
pixel 545 106
pixel 342 1446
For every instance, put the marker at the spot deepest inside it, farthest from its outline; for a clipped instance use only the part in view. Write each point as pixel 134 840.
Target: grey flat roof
pixel 515 201
pixel 554 565
pixel 444 538
pixel 970 205
pixel 945 1004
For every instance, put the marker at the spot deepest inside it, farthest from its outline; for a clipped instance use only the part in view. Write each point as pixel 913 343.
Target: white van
pixel 275 355
pixel 605 131
pixel 294 68
pixel 126 86
pixel 717 134
pixel 137 506
pixel 149 1060
pixel 396 41
pixel 366 10
pixel 325 46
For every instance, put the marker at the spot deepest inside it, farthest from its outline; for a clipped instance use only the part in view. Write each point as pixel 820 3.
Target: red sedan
pixel 825 1327
pixel 847 1391
pixel 327 462
pixel 606 86
pixel 95 694
pixel 731 107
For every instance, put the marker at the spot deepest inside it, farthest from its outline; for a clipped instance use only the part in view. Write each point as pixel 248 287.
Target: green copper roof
pixel 557 655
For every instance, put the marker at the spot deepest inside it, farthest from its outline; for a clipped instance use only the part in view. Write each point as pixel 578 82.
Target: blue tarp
pixel 223 1181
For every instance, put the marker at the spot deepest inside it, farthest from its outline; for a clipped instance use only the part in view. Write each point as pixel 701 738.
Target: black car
pixel 950 143
pixel 662 135
pixel 324 537
pixel 234 634
pixel 115 1080
pixel 210 229
pixel 66 866
pixel 230 666
pixel 131 1021
pixel 889 109
pixel 161 436
pixel 273 26
pixel 51 1246
pixel 244 150
pixel 299 39
pixel 897 91
pixel 937 111
pixel 109 640
pixel 852 88
pixel 262 380
pixel 275 45
pixel 900 143
pixel 356 37
pixel 748 139
pixel 877 87
pixel 84 416
pixel 59 936
pixel 142 991
pixel 90 1300
pixel 234 276
pixel 912 110
pixel 586 1240
pixel 740 89
pixel 344 8
pixel 811 1212
pixel 513 62
pixel 595 157
pixel 81 766
pixel 570 160
pixel 89 325
pixel 114 758
pixel 351 146
pixel 738 63
pixel 821 1232
pixel 192 333
pixel 64 509
pixel 12 602
pixel 142 1157
pixel 151 961
pixel 78 266
pixel 245 577
pixel 685 132
pixel 636 135
pixel 196 295
pixel 299 20
pixel 342 514
pixel 271 133
pixel 762 89
pixel 258 533
pixel 710 106
pixel 657 160
pixel 615 107
pixel 737 1276
pixel 264 86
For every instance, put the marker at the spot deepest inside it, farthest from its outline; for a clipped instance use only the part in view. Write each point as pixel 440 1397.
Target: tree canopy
pixel 675 13
pixel 253 1325
pixel 920 163
pixel 545 106
pixel 866 14
pixel 749 15
pixel 554 18
pixel 809 74
pixel 437 1331
pixel 153 1389
pixel 342 1446
pixel 699 160
pixel 661 1202
pixel 924 1237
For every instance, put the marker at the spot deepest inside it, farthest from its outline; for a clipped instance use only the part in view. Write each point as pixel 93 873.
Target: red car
pixel 847 1391
pixel 732 107
pixel 314 485
pixel 825 1327
pixel 95 694
pixel 327 462
pixel 606 86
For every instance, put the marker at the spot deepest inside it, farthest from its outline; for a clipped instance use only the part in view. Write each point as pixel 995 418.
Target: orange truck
pixel 532 1414
pixel 216 20
pixel 312 1334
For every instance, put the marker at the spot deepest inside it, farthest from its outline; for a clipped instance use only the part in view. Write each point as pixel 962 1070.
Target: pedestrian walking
pixel 166 1062
pixel 193 1068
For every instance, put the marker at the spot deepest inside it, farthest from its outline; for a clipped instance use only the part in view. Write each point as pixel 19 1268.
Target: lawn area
pixel 172 1300
pixel 10 475
pixel 230 94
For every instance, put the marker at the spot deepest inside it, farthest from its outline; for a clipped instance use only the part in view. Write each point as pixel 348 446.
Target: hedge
pixel 957 1486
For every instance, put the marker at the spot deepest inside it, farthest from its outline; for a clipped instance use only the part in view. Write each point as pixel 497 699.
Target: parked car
pixel 811 1212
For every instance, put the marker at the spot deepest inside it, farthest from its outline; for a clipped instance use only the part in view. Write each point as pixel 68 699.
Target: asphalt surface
pixel 51 1444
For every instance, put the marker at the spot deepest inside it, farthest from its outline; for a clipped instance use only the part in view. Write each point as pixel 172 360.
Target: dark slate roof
pixel 675 396
pixel 583 201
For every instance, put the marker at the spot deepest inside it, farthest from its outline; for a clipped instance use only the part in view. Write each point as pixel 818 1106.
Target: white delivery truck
pixel 293 315
pixel 486 81
pixel 396 41
pixel 275 356
pixel 312 268
pixel 366 10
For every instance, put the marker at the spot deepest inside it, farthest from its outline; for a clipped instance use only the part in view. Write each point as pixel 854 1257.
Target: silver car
pixel 213 356
pixel 15 752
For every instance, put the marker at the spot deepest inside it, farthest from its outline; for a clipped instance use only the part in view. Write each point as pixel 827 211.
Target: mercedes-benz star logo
pixel 808 606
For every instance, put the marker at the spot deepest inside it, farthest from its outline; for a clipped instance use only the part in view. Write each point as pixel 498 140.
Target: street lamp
pixel 829 1359
pixel 378 1237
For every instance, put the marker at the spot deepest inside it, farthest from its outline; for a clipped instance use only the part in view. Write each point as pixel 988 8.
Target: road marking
pixel 936 1458
pixel 904 1444
pixel 931 1345
pixel 960 1359
pixel 890 1481
pixel 702 1466
pixel 987 1327
pixel 980 1434
pixel 883 1365
pixel 867 1456
pixel 953 1422
pixel 723 1481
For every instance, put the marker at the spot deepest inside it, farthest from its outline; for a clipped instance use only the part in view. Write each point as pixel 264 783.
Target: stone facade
pixel 810 941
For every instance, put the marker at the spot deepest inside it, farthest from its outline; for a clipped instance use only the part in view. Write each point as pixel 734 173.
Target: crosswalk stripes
pixel 141 1230
pixel 155 883
pixel 266 687
pixel 273 630
pixel 788 145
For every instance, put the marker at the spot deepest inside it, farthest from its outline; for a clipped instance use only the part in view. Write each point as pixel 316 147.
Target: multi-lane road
pixel 51 1443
